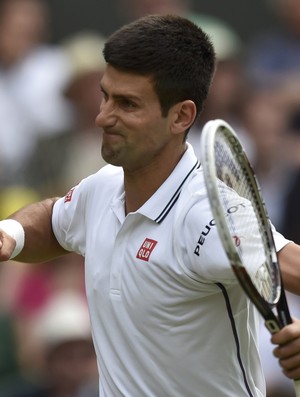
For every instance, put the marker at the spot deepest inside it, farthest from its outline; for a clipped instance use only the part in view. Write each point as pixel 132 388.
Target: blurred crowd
pixel 49 98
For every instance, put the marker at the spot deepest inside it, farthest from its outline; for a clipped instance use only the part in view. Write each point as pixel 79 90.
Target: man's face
pixel 135 135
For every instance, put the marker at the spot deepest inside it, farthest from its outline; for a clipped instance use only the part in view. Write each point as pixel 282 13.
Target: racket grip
pixel 297 387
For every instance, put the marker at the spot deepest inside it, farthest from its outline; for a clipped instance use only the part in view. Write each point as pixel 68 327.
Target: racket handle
pixel 297 387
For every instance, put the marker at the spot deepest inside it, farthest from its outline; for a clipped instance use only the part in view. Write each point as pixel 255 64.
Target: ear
pixel 183 116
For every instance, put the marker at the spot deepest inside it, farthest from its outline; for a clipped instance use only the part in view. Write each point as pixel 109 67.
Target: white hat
pixel 226 42
pixel 64 318
pixel 84 51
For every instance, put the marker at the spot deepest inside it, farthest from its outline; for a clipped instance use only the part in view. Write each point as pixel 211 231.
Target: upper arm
pixel 40 242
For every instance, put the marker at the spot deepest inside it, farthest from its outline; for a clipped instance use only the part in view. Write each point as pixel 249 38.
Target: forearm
pixel 289 259
pixel 40 243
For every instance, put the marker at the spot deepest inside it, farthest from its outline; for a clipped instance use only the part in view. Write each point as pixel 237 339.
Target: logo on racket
pixel 236 240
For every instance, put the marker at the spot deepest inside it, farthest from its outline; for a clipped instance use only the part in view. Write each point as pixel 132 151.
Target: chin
pixel 111 158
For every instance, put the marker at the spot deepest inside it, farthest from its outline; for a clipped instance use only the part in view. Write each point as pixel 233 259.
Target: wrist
pixel 14 229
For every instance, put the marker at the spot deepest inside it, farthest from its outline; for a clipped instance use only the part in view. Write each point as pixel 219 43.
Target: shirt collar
pixel 162 201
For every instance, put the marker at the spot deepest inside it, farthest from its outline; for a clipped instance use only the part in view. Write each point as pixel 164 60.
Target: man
pixel 168 316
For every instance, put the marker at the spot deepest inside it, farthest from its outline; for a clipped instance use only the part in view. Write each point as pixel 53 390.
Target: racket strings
pixel 232 171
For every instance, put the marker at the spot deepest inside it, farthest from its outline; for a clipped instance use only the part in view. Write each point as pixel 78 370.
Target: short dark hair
pixel 173 50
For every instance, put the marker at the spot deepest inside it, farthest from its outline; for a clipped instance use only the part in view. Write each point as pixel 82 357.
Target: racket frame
pixel 272 322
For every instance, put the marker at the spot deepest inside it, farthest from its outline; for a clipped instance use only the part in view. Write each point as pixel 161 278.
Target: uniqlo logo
pixel 146 248
pixel 69 195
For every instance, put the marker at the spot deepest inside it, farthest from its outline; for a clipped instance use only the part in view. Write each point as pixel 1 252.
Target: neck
pixel 141 184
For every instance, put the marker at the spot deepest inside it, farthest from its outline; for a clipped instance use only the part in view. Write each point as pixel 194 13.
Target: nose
pixel 106 116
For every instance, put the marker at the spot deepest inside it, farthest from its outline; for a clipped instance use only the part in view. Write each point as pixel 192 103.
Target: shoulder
pixel 196 238
pixel 193 193
pixel 108 178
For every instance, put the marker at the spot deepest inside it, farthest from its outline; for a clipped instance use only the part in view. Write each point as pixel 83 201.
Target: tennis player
pixel 168 316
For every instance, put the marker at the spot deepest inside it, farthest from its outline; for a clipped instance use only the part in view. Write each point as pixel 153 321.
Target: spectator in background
pixel 272 70
pixel 61 161
pixel 264 118
pixel 83 158
pixel 291 211
pixel 32 76
pixel 273 57
pixel 134 9
pixel 12 381
pixel 61 331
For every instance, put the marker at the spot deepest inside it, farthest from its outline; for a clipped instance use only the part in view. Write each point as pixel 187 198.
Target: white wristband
pixel 16 231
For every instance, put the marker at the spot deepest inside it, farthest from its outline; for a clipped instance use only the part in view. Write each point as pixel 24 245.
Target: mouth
pixel 112 136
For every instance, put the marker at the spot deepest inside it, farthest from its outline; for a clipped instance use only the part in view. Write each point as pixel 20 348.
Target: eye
pixel 104 95
pixel 103 100
pixel 126 103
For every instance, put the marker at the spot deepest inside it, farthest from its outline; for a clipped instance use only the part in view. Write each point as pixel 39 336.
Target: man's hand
pixel 7 246
pixel 288 349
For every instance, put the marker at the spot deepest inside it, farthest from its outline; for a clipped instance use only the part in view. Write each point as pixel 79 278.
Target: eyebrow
pixel 131 97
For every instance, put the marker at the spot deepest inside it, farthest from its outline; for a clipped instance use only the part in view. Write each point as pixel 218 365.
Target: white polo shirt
pixel 168 317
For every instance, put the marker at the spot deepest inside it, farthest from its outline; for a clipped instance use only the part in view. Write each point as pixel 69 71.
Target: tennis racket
pixel 243 224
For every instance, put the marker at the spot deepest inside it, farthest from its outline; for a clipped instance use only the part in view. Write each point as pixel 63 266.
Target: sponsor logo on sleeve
pixel 68 196
pixel 207 229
